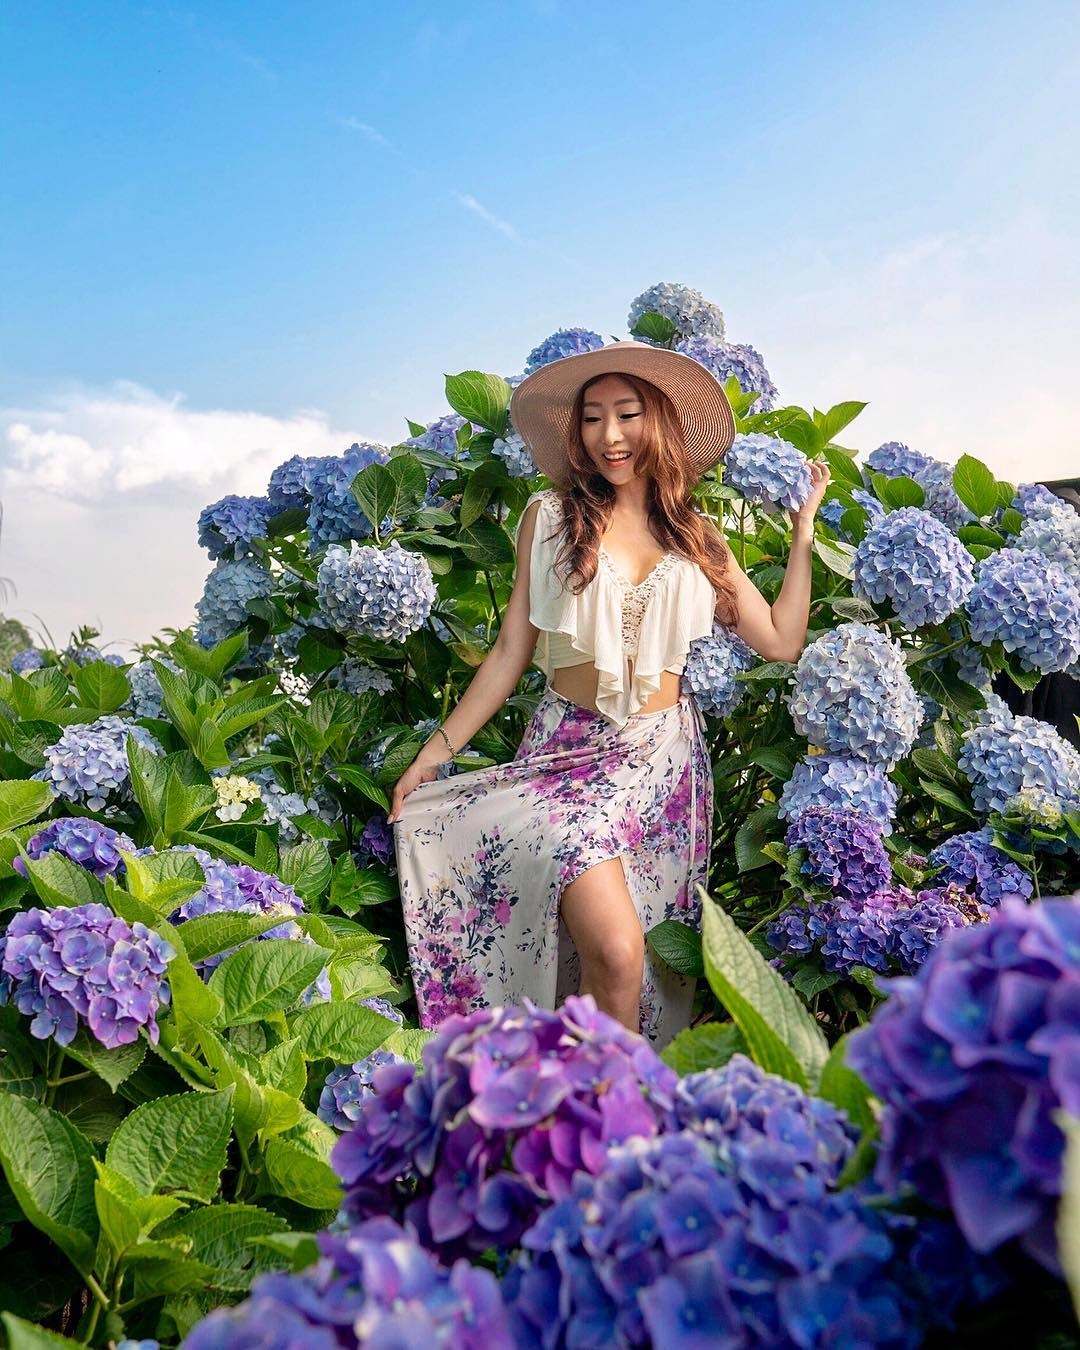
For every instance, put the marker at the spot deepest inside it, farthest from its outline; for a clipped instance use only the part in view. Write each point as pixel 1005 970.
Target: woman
pixel 539 878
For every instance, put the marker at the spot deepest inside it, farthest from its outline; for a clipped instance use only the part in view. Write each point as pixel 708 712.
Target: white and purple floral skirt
pixel 483 857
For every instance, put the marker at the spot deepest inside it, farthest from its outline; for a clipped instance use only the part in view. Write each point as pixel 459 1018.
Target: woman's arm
pixel 778 632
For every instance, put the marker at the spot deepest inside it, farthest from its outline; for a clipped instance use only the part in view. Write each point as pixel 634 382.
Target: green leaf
pixel 26 1336
pixel 264 978
pixel 837 556
pixel 487 545
pixel 480 398
pixel 256 1106
pixel 706 1047
pixel 301 1176
pixel 211 663
pixel 408 1043
pixel 751 834
pixel 655 326
pixel 113 1066
pixel 307 869
pixel 845 1088
pixel 21 800
pixel 211 934
pixel 223 1237
pixel 980 534
pixel 318 650
pixel 59 881
pixel 1012 522
pixel 185 804
pixel 343 1032
pixel 897 492
pixel 149 775
pixel 782 1036
pixel 174 1143
pixel 363 782
pixel 810 982
pixel 947 797
pixel 102 687
pixel 49 1167
pixel 679 945
pixel 974 484
pixel 844 469
pixel 838 417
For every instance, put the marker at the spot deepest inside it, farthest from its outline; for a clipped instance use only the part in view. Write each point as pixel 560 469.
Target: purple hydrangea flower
pixel 86 842
pixel 564 342
pixel 441 436
pixel 917 564
pixel 82 963
pixel 769 470
pixel 371 1287
pixel 970 860
pixel 687 309
pixel 711 671
pixel 1030 605
pixel 725 359
pixel 22 663
pixel 89 764
pixel 843 851
pixel 896 460
pixel 335 515
pixel 347 1088
pixel 515 455
pixel 973 1057
pixel 222 607
pixel 510 1103
pixel 288 489
pixel 377 839
pixel 1004 756
pixel 382 593
pixel 227 527
pixel 853 695
pixel 842 782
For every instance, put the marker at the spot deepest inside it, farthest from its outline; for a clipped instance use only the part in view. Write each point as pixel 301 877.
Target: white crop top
pixel 613 622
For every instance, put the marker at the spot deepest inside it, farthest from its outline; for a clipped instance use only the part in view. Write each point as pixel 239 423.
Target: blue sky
pixel 231 231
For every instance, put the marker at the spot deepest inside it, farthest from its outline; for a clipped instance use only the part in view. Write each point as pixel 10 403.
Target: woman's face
pixel 611 427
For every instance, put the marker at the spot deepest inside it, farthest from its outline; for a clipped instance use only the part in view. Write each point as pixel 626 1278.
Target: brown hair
pixel 588 502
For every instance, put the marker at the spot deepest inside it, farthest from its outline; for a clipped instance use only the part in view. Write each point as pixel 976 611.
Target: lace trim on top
pixel 635 599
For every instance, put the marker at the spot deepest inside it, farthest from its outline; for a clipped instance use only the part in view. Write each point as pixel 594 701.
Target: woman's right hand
pixel 419 771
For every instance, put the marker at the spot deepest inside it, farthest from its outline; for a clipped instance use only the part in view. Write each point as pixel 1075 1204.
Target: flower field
pixel 219 1122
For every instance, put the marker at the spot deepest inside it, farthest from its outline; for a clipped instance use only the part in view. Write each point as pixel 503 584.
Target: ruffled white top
pixel 612 622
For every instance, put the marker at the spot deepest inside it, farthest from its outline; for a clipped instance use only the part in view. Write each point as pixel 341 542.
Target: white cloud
pixel 471 204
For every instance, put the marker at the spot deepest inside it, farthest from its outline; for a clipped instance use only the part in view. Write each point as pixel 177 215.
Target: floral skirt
pixel 483 857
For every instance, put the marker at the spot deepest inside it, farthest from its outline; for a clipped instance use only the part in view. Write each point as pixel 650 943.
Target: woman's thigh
pixel 601 918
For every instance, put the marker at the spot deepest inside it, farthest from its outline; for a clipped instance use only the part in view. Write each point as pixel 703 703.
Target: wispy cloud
pixel 354 124
pixel 471 204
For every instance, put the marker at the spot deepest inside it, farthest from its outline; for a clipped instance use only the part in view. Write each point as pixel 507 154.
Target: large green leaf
pixel 752 834
pixel 307 869
pixel 843 1087
pixel 679 945
pixel 223 1237
pixel 174 1143
pixel 50 1169
pixel 211 934
pixel 480 398
pixel 781 1035
pixel 113 1066
pixel 102 688
pixel 59 881
pixel 26 1336
pixel 975 486
pixel 344 1032
pixel 709 1046
pixel 21 800
pixel 264 978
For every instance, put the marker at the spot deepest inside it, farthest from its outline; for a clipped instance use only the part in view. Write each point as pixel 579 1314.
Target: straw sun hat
pixel 541 406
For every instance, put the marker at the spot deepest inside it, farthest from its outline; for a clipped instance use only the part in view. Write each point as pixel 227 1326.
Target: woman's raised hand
pixel 421 770
pixel 819 481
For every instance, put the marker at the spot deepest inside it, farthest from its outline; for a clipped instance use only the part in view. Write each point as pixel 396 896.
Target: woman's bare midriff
pixel 578 683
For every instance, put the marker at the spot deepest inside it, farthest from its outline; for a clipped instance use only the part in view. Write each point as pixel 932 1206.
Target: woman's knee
pixel 617 956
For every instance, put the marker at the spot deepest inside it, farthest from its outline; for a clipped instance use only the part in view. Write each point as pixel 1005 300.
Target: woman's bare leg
pixel 600 917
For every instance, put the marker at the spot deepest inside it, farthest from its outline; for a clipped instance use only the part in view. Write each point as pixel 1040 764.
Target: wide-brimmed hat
pixel 542 404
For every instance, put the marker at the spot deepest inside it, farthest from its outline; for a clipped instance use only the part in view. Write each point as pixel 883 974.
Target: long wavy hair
pixel 589 500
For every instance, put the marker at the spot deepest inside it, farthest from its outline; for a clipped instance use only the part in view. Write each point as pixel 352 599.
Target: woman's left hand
pixel 819 481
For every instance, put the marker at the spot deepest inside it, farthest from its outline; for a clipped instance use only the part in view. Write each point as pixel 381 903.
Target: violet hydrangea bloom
pixel 1028 603
pixel 913 561
pixel 86 842
pixel 973 1057
pixel 334 515
pixel 971 860
pixel 853 695
pixel 510 1103
pixel 687 309
pixel 22 663
pixel 712 666
pixel 82 963
pixel 1004 756
pixel 288 489
pixel 227 527
pixel 89 764
pixel 769 470
pixel 382 593
pixel 347 1087
pixel 564 342
pixel 372 1286
pixel 843 851
pixel 725 359
pixel 843 783
pixel 222 607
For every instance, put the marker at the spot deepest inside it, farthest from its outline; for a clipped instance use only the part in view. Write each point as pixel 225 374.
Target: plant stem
pixel 491 592
pixel 71 1078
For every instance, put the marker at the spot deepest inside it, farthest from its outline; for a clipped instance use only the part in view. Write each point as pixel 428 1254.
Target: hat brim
pixel 542 404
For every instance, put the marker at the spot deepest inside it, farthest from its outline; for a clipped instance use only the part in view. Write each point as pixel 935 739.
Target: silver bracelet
pixel 446 738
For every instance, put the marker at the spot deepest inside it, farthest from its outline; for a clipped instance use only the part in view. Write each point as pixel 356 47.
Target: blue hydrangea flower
pixel 89 765
pixel 843 851
pixel 842 782
pixel 515 454
pixel 335 515
pixel 441 436
pixel 769 470
pixel 22 663
pixel 1030 605
pixel 712 666
pixel 222 607
pixel 85 654
pixel 146 696
pixel 973 1058
pixel 348 1086
pixel 1058 539
pixel 1003 756
pixel 852 694
pixel 1037 502
pixel 382 593
pixel 911 559
pixel 725 359
pixel 970 668
pixel 288 489
pixel 832 509
pixel 82 963
pixel 280 806
pixel 564 342
pixel 831 512
pixel 373 1286
pixel 227 527
pixel 970 860
pixel 687 309
pixel 356 677
pixel 86 842
pixel 896 460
